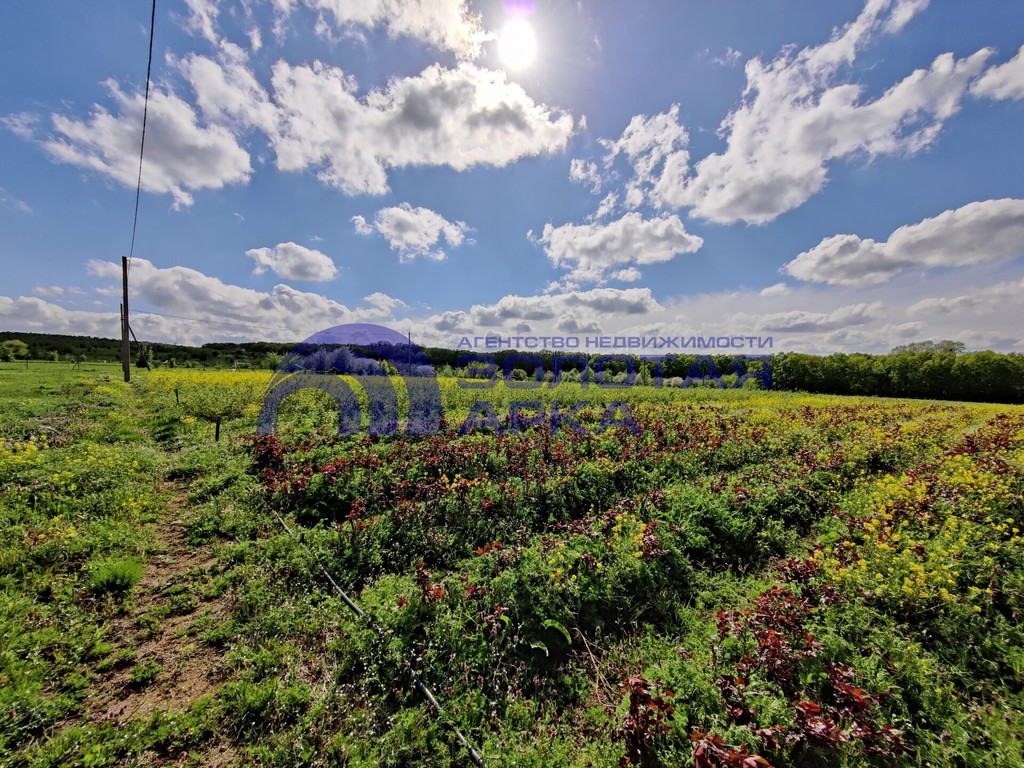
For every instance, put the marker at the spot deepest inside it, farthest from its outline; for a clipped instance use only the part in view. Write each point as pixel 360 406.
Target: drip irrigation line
pixel 416 680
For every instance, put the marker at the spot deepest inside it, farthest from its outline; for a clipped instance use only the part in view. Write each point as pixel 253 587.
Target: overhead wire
pixel 142 143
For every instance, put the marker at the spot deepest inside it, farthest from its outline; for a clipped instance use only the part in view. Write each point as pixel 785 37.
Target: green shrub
pixel 145 673
pixel 116 577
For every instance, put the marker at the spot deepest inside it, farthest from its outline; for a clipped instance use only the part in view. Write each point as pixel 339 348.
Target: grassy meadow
pixel 747 579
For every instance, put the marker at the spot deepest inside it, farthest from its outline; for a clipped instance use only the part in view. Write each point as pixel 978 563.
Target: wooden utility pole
pixel 126 362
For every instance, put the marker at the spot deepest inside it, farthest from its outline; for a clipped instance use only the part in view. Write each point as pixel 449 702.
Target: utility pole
pixel 126 363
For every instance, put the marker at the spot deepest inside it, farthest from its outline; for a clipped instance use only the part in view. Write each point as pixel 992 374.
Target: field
pixel 746 579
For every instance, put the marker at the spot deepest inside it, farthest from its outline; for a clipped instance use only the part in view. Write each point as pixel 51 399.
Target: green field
pixel 751 578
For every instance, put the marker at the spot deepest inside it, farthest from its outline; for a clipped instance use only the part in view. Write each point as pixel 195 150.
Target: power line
pixel 142 144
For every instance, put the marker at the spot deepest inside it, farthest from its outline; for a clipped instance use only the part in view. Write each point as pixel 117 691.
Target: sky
pixel 837 177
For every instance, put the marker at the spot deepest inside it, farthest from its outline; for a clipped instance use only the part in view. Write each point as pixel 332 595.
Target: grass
pixel 816 580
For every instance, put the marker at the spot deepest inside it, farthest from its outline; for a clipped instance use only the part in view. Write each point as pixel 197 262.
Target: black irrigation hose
pixel 417 682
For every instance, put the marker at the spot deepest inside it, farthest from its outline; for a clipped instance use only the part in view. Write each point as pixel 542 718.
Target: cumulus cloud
pixel 226 89
pixel 462 117
pixel 585 172
pixel 797 116
pixel 778 289
pixel 313 117
pixel 992 298
pixel 655 149
pixel 800 321
pixel 628 275
pixel 414 231
pixel 1003 82
pixel 977 233
pixel 384 302
pixel 202 18
pixel 569 312
pixel 181 155
pixel 27 314
pixel 281 314
pixel 444 24
pixel 48 290
pixel 293 262
pixel 588 250
pixel 605 208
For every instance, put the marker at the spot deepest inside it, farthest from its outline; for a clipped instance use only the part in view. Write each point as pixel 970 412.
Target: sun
pixel 517 44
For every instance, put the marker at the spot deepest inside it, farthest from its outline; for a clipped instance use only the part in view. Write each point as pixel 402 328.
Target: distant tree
pixel 643 376
pixel 218 400
pixel 18 349
pixel 946 346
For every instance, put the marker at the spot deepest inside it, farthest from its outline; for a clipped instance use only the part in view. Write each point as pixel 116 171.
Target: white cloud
pixel 28 314
pixel 989 299
pixel 293 262
pixel 800 321
pixel 585 172
pixel 1005 81
pixel 588 250
pixel 778 289
pixel 628 275
pixel 977 233
pixel 384 302
pixel 448 322
pixel 460 117
pixel 797 116
pixel 444 24
pixel 282 314
pixel 729 58
pixel 605 208
pixel 227 91
pixel 21 124
pixel 655 149
pixel 202 18
pixel 9 201
pixel 414 231
pixel 255 39
pixel 564 308
pixel 181 155
pixel 51 290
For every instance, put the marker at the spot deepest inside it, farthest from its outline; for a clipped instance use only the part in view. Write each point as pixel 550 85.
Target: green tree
pixel 219 399
pixel 17 349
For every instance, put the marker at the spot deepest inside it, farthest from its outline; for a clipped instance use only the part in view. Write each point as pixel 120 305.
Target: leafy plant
pixel 116 577
pixel 145 673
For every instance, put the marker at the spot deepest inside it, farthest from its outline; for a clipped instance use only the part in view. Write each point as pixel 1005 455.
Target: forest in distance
pixel 941 370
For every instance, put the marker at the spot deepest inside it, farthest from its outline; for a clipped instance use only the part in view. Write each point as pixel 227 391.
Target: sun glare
pixel 517 44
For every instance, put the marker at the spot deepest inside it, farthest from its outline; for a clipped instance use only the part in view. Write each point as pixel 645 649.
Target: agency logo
pixel 371 355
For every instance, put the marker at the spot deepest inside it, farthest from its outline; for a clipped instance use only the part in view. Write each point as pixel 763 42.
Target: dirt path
pixel 161 629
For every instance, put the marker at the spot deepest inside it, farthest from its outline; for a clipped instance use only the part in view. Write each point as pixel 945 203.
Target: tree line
pixel 941 370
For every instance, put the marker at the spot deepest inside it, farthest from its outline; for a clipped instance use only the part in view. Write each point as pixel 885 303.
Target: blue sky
pixel 841 176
